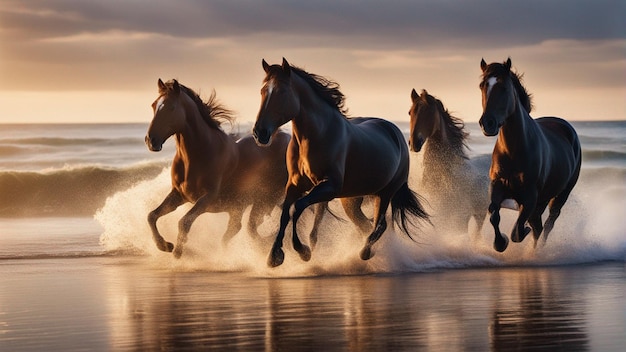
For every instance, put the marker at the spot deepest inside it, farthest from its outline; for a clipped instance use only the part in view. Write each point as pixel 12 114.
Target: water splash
pixel 591 228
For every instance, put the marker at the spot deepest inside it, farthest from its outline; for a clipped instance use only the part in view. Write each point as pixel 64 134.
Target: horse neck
pixel 315 116
pixel 518 131
pixel 197 138
pixel 439 147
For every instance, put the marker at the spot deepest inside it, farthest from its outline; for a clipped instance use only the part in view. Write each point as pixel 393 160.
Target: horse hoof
pixel 366 253
pixel 515 237
pixel 178 252
pixel 276 258
pixel 305 253
pixel 501 245
pixel 165 246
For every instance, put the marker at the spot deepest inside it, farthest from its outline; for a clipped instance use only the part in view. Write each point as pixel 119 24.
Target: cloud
pixel 70 45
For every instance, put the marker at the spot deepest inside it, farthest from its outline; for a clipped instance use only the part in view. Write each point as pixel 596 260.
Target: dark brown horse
pixel 331 156
pixel 455 185
pixel 210 168
pixel 534 162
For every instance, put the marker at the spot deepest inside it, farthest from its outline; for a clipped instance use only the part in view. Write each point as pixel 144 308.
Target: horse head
pixel 426 118
pixel 169 115
pixel 498 96
pixel 279 103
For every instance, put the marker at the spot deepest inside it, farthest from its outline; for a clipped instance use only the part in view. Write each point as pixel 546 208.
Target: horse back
pixel 377 154
pixel 564 148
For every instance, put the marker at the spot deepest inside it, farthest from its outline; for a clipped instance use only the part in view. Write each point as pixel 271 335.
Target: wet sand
pixel 125 303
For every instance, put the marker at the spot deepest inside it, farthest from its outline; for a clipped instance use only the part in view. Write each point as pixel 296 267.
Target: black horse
pixel 534 162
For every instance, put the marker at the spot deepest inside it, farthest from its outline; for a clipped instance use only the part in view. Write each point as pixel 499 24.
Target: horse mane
pixel 499 70
pixel 325 88
pixel 212 111
pixel 454 129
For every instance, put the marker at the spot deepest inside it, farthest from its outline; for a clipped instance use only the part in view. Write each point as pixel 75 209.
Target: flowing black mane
pixel 454 130
pixel 212 111
pixel 326 89
pixel 500 70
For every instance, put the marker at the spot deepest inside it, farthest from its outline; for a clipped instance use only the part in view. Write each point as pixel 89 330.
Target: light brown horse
pixel 535 162
pixel 454 184
pixel 210 168
pixel 331 156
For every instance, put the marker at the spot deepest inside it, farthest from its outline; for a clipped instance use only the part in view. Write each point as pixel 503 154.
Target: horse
pixel 535 162
pixel 458 183
pixel 210 168
pixel 332 156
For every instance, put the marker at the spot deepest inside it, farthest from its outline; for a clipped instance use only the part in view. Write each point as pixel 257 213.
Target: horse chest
pixel 312 165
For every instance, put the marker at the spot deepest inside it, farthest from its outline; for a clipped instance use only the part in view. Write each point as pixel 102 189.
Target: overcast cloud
pixel 48 45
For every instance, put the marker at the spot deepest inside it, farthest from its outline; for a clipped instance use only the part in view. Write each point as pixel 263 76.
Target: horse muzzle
pixel 489 125
pixel 416 144
pixel 262 136
pixel 154 144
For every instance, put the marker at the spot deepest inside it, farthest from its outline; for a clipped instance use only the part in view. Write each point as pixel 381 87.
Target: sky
pixel 99 60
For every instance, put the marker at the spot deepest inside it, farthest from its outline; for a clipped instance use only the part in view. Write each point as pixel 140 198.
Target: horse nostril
pixel 490 124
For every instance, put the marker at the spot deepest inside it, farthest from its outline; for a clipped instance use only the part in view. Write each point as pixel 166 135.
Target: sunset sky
pixel 99 60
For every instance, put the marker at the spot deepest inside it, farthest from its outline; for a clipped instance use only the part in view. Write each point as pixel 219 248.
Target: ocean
pixel 80 271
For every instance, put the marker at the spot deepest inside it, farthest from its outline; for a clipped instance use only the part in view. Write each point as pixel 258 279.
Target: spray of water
pixel 591 228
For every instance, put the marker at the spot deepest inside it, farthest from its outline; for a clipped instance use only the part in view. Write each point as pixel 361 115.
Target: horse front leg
pixel 322 192
pixel 500 241
pixel 527 207
pixel 172 201
pixel 184 225
pixel 277 255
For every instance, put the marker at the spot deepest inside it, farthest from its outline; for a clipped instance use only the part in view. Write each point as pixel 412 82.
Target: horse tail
pixel 406 202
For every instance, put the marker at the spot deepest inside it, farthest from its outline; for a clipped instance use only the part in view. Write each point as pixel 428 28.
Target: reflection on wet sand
pixel 539 310
pixel 478 309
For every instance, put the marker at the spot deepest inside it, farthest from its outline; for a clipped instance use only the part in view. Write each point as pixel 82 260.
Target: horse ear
pixel 286 67
pixel 266 66
pixel 483 65
pixel 176 87
pixel 414 95
pixel 508 63
pixel 161 85
pixel 424 96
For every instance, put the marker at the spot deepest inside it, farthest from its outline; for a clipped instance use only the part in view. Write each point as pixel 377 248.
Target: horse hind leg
pixel 380 222
pixel 535 221
pixel 257 217
pixel 234 225
pixel 320 211
pixel 556 204
pixel 479 221
pixel 352 207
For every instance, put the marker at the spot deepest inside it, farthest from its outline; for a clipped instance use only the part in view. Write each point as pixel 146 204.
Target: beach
pixel 80 271
pixel 124 303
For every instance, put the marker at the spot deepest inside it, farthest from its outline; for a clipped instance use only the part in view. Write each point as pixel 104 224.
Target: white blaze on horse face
pixel 491 81
pixel 159 104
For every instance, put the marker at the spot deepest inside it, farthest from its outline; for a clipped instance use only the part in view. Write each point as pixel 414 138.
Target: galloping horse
pixel 459 183
pixel 210 168
pixel 534 162
pixel 331 156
